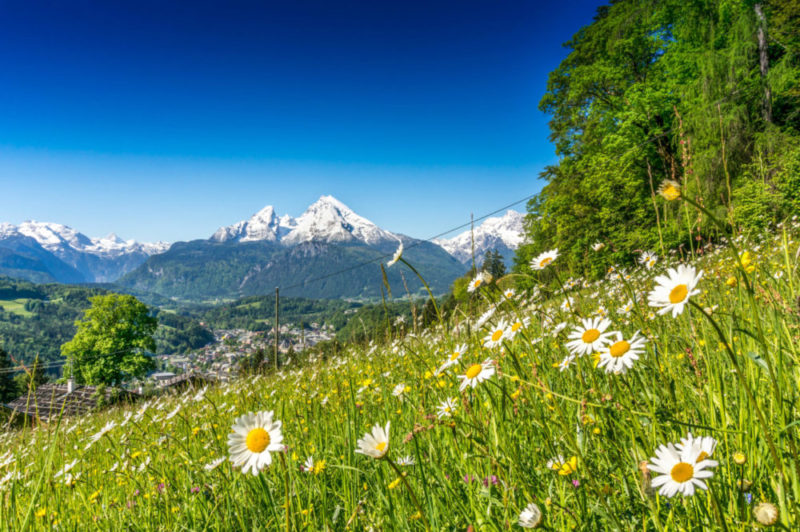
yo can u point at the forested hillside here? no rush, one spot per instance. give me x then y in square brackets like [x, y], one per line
[704, 93]
[36, 319]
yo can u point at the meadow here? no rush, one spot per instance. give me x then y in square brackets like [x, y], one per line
[530, 410]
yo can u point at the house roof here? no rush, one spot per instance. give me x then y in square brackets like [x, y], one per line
[184, 378]
[47, 401]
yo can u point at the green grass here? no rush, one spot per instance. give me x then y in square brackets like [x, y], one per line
[484, 464]
[17, 306]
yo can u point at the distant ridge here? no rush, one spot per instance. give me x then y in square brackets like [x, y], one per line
[51, 252]
[503, 233]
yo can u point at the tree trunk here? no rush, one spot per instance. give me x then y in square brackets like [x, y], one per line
[766, 104]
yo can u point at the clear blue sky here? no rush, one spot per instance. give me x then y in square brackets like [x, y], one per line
[164, 122]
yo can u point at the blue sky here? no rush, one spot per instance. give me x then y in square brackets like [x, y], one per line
[164, 122]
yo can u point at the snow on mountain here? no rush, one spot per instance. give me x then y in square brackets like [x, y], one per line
[57, 237]
[66, 255]
[330, 220]
[503, 233]
[326, 220]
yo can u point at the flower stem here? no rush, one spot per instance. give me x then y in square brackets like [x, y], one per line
[761, 421]
[286, 489]
[410, 491]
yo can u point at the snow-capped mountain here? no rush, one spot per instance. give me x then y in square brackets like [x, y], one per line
[503, 233]
[329, 251]
[326, 220]
[56, 252]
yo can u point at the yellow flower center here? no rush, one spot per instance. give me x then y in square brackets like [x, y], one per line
[678, 293]
[516, 326]
[476, 283]
[590, 335]
[497, 335]
[257, 440]
[455, 355]
[473, 371]
[670, 192]
[380, 446]
[544, 262]
[619, 349]
[681, 472]
[702, 456]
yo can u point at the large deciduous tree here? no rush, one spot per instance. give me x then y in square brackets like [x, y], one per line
[702, 92]
[112, 341]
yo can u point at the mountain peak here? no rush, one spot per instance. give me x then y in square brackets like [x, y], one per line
[325, 220]
[504, 233]
[330, 220]
[263, 225]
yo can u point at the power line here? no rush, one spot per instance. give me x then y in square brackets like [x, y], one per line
[415, 244]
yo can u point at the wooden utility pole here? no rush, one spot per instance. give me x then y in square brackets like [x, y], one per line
[277, 325]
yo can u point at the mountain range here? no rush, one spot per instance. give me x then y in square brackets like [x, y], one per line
[502, 234]
[253, 256]
[50, 252]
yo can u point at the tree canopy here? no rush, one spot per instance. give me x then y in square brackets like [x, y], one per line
[702, 92]
[112, 341]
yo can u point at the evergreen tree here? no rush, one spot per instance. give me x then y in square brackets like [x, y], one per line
[8, 387]
[493, 264]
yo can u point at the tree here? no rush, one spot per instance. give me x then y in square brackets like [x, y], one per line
[112, 341]
[30, 378]
[493, 264]
[669, 89]
[8, 387]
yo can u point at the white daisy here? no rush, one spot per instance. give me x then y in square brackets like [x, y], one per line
[476, 374]
[454, 357]
[105, 430]
[516, 327]
[707, 445]
[558, 328]
[543, 260]
[567, 304]
[375, 444]
[214, 464]
[566, 363]
[648, 259]
[480, 279]
[589, 337]
[308, 465]
[396, 257]
[597, 246]
[496, 335]
[255, 436]
[399, 391]
[485, 317]
[405, 461]
[680, 469]
[618, 356]
[446, 409]
[530, 517]
[627, 308]
[509, 293]
[674, 289]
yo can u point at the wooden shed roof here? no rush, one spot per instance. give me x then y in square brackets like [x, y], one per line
[47, 401]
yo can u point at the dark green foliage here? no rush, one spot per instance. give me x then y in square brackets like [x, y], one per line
[493, 264]
[8, 388]
[667, 90]
[256, 313]
[48, 316]
[204, 270]
[30, 378]
[179, 334]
